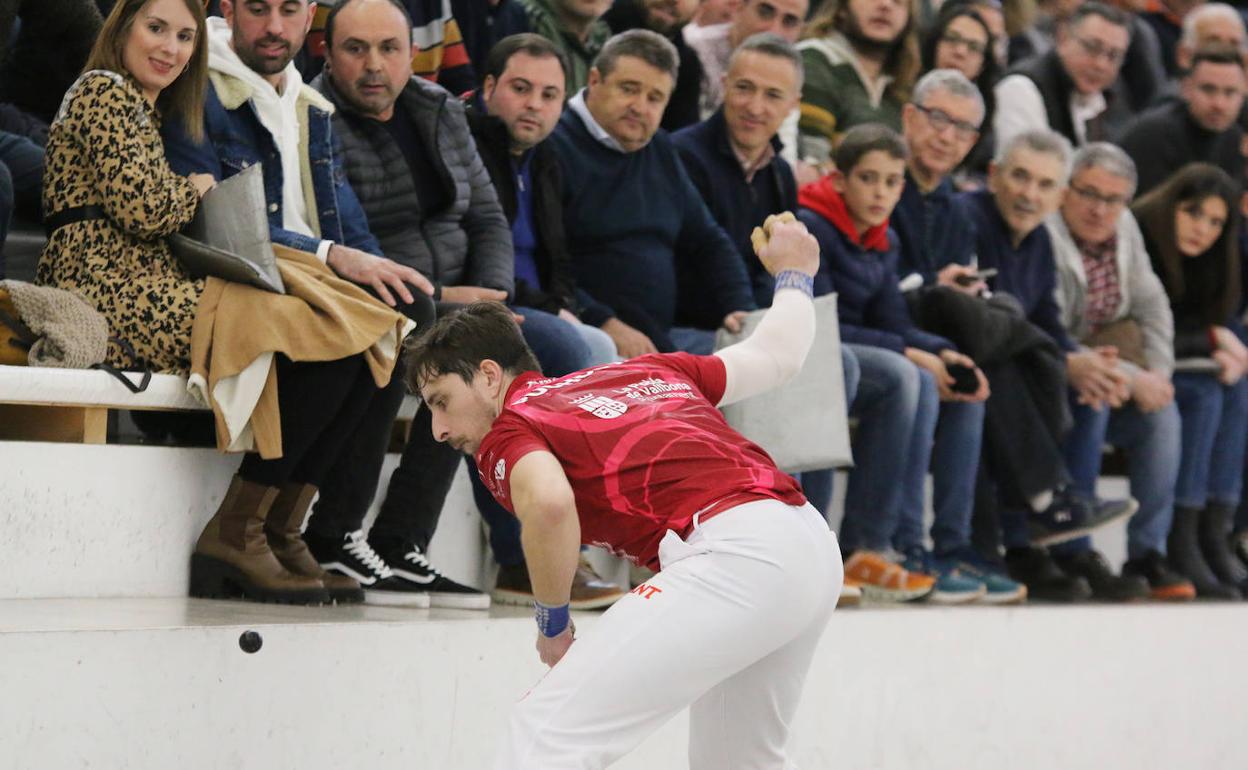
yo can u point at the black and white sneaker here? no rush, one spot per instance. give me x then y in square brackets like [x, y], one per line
[354, 557]
[1071, 516]
[409, 564]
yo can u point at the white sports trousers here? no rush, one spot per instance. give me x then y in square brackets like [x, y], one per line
[728, 627]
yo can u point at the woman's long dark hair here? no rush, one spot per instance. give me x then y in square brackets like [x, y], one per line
[1218, 268]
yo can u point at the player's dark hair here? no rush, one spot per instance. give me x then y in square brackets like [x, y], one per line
[457, 344]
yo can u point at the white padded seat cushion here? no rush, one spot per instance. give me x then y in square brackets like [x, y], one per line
[87, 387]
[408, 409]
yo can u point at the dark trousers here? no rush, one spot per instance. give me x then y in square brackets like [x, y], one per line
[1022, 454]
[1022, 438]
[349, 486]
[320, 403]
[420, 484]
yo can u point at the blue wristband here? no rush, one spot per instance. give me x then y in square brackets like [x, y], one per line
[795, 279]
[551, 621]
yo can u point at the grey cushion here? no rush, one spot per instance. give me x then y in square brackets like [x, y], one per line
[803, 424]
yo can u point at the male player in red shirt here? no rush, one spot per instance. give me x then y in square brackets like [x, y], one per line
[635, 457]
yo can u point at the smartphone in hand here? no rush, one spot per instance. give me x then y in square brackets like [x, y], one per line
[964, 378]
[979, 275]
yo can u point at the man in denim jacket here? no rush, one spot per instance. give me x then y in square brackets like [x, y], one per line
[258, 110]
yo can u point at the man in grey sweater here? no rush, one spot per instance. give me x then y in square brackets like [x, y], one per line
[1114, 307]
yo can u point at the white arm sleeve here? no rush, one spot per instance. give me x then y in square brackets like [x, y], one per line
[775, 352]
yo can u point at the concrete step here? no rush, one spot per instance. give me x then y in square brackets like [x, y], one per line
[163, 683]
[120, 521]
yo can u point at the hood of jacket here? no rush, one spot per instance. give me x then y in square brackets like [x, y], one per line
[822, 198]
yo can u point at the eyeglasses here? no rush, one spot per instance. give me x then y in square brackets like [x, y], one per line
[1098, 50]
[972, 46]
[942, 120]
[1094, 197]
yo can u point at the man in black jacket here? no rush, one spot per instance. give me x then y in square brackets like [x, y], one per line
[519, 104]
[429, 201]
[733, 157]
[1202, 126]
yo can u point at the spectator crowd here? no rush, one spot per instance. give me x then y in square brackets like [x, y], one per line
[1029, 212]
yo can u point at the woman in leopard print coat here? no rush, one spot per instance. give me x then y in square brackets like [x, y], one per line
[106, 164]
[111, 199]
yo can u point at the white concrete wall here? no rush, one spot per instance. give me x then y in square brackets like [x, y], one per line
[163, 684]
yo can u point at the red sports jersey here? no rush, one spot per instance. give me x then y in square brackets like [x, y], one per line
[641, 443]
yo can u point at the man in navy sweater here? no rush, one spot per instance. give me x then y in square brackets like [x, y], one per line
[634, 222]
[1025, 185]
[733, 158]
[936, 236]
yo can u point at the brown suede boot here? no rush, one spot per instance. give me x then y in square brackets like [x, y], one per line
[284, 526]
[232, 558]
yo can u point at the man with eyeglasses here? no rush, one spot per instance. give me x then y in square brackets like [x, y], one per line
[1073, 89]
[940, 126]
[1203, 125]
[715, 44]
[1115, 308]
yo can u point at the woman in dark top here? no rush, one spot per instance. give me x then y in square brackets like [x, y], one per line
[961, 40]
[1191, 230]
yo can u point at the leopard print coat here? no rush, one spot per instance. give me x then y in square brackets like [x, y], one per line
[104, 148]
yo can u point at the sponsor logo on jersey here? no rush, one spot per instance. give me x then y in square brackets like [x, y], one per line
[602, 406]
[500, 470]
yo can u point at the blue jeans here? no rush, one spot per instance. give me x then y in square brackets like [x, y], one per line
[699, 342]
[817, 485]
[1152, 443]
[559, 347]
[890, 437]
[1215, 422]
[601, 347]
[953, 456]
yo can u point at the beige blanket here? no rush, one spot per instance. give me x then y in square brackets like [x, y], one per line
[238, 329]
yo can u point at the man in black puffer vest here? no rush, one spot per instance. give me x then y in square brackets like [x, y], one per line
[429, 201]
[1072, 89]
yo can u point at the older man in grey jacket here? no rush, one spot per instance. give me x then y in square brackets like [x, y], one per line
[1114, 306]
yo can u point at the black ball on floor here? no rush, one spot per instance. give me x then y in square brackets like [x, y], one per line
[250, 642]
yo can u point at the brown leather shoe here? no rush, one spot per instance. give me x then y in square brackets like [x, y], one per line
[232, 558]
[283, 528]
[589, 590]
